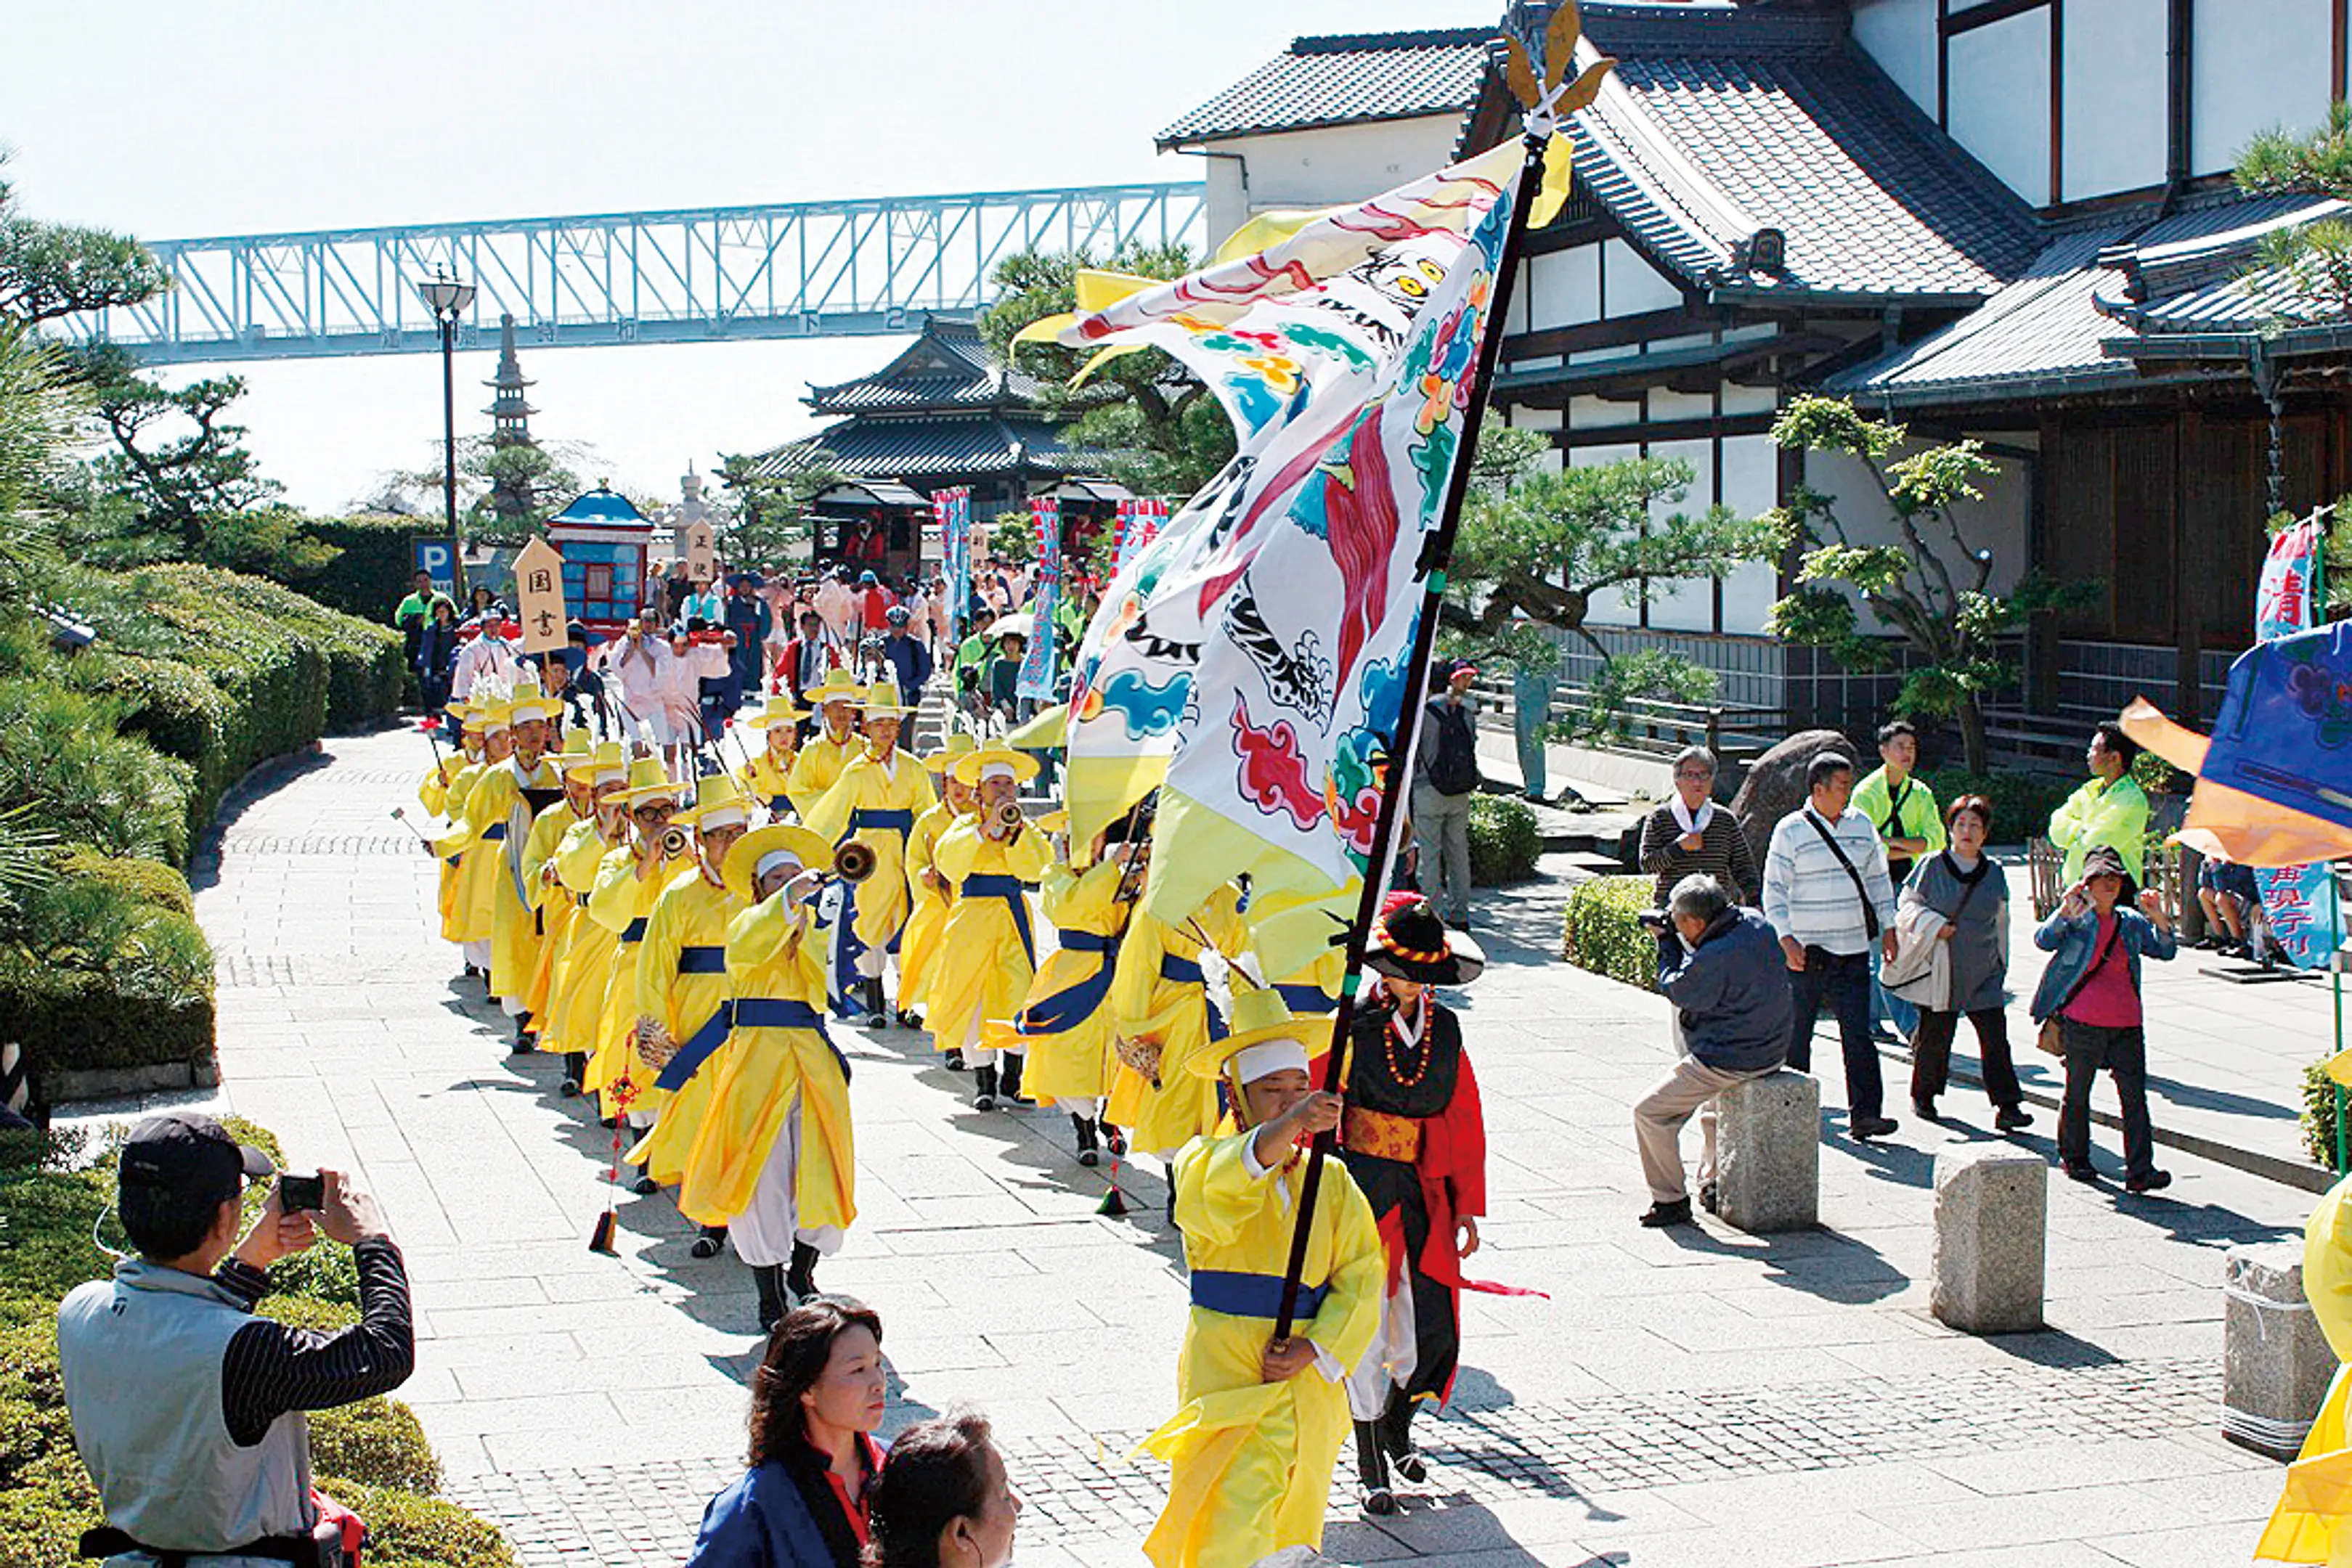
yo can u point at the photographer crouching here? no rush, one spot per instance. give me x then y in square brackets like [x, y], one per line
[187, 1409]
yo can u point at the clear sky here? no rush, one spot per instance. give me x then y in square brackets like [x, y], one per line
[170, 121]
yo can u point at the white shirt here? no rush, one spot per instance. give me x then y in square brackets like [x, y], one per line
[1809, 897]
[487, 655]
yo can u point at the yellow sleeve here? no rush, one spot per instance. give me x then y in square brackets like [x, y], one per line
[1343, 1326]
[958, 850]
[754, 935]
[657, 957]
[922, 845]
[613, 899]
[1028, 855]
[547, 832]
[492, 800]
[1058, 885]
[828, 816]
[578, 856]
[806, 786]
[1216, 1196]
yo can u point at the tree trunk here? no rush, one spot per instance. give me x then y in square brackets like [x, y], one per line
[1972, 734]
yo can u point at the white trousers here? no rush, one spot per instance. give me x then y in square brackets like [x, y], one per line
[763, 1233]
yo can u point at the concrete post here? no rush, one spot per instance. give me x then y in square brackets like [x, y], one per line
[1768, 1153]
[1992, 1223]
[2275, 1362]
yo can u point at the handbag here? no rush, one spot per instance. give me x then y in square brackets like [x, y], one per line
[2051, 1039]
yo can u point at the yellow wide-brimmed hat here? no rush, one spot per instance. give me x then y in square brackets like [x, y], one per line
[607, 763]
[959, 744]
[1057, 821]
[970, 767]
[577, 742]
[778, 713]
[881, 701]
[718, 802]
[1263, 1026]
[839, 687]
[528, 702]
[649, 780]
[494, 716]
[741, 870]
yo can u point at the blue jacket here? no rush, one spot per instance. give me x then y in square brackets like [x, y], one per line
[2072, 941]
[763, 1521]
[1732, 991]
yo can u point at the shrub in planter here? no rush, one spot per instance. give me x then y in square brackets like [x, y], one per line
[1603, 934]
[1504, 839]
[2319, 1116]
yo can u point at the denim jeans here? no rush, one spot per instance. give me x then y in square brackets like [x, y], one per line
[2123, 1053]
[1842, 980]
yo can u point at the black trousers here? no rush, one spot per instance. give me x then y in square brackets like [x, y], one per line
[2123, 1053]
[1842, 980]
[1931, 1054]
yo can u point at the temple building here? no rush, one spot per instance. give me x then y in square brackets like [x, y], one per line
[510, 413]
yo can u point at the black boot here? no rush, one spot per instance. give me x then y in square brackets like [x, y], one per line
[1088, 1152]
[1010, 1080]
[1396, 1437]
[875, 1018]
[953, 1061]
[768, 1279]
[983, 1096]
[801, 1279]
[526, 1039]
[1373, 1470]
[712, 1240]
[575, 1068]
[1113, 1139]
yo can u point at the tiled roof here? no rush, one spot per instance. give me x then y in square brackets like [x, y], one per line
[2065, 325]
[1719, 122]
[947, 367]
[1344, 78]
[930, 450]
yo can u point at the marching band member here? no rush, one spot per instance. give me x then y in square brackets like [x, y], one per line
[466, 921]
[552, 911]
[682, 1007]
[987, 958]
[875, 803]
[443, 793]
[929, 896]
[1067, 1025]
[1262, 1419]
[768, 777]
[501, 810]
[1159, 1004]
[824, 755]
[576, 990]
[629, 879]
[774, 1164]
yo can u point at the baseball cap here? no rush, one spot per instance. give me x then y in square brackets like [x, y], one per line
[187, 1150]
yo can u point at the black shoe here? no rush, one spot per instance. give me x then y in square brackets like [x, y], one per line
[954, 1062]
[1925, 1110]
[983, 1081]
[608, 1123]
[1009, 1079]
[575, 1068]
[709, 1243]
[1114, 1140]
[1866, 1128]
[876, 1015]
[2149, 1181]
[909, 1019]
[1661, 1215]
[1708, 1198]
[644, 1186]
[2012, 1119]
[1395, 1426]
[768, 1279]
[801, 1278]
[1372, 1471]
[1088, 1155]
[2078, 1173]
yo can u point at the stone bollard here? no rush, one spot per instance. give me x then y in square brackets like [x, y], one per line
[1769, 1153]
[1992, 1221]
[2276, 1363]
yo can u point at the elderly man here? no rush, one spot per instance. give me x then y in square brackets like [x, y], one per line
[1690, 835]
[1827, 894]
[1722, 968]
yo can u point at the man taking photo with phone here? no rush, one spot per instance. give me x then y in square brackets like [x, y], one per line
[188, 1409]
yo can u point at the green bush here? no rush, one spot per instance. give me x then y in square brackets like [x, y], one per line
[175, 708]
[406, 1529]
[61, 756]
[377, 1442]
[2021, 803]
[373, 561]
[149, 881]
[1504, 839]
[363, 662]
[2319, 1116]
[1603, 934]
[77, 1019]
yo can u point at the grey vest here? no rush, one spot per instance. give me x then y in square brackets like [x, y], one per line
[142, 1356]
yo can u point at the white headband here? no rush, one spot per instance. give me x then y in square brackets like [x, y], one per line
[775, 860]
[722, 816]
[496, 727]
[1252, 1062]
[989, 770]
[610, 776]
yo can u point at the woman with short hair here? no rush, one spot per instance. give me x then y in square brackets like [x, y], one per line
[1965, 890]
[943, 1500]
[815, 1402]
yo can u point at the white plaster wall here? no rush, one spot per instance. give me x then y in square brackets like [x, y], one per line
[1999, 77]
[1336, 164]
[2113, 119]
[1749, 400]
[1622, 607]
[1685, 606]
[2255, 64]
[1228, 205]
[1751, 468]
[1594, 414]
[1900, 35]
[1562, 287]
[1997, 523]
[1630, 285]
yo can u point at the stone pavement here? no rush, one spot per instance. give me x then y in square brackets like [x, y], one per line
[1684, 1397]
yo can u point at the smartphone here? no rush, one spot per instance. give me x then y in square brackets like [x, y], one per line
[297, 1193]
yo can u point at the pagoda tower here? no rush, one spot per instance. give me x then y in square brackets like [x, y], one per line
[509, 412]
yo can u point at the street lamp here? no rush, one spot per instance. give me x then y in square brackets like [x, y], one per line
[449, 298]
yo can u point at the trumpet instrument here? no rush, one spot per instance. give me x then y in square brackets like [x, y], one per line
[1004, 817]
[853, 861]
[673, 842]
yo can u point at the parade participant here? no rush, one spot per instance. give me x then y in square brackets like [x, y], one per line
[552, 911]
[636, 665]
[769, 775]
[590, 780]
[501, 811]
[1066, 1023]
[875, 803]
[774, 1163]
[2310, 1522]
[467, 919]
[682, 1006]
[1414, 1137]
[824, 755]
[987, 958]
[629, 880]
[1251, 1452]
[1161, 1010]
[576, 1006]
[929, 892]
[443, 792]
[806, 659]
[490, 658]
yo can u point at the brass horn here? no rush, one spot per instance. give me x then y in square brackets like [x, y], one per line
[853, 861]
[1005, 816]
[673, 842]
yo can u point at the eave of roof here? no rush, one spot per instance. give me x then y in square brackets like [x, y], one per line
[1348, 78]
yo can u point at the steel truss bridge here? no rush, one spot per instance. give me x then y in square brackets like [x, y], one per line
[803, 269]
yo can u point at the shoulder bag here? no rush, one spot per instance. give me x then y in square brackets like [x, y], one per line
[2051, 1039]
[1869, 912]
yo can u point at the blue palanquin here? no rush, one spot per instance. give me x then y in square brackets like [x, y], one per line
[602, 540]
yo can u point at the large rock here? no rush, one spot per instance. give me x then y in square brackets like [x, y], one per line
[1775, 784]
[2275, 1362]
[1990, 1221]
[1768, 1158]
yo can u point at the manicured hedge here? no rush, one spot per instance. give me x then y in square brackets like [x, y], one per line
[373, 561]
[1601, 934]
[148, 881]
[2021, 802]
[363, 662]
[77, 1019]
[1505, 839]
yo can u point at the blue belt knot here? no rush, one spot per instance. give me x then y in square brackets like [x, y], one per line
[1239, 1295]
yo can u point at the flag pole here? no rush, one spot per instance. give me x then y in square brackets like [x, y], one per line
[1434, 553]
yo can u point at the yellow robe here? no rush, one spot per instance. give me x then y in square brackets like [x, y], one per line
[552, 907]
[1067, 1020]
[618, 902]
[918, 944]
[576, 994]
[2312, 1522]
[855, 809]
[681, 984]
[818, 766]
[768, 784]
[490, 896]
[450, 804]
[772, 957]
[983, 971]
[1251, 1462]
[1148, 1004]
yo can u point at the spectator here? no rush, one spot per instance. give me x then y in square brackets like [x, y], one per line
[1004, 677]
[1532, 684]
[437, 654]
[2111, 809]
[874, 603]
[808, 656]
[943, 613]
[1903, 811]
[746, 616]
[186, 1409]
[414, 612]
[586, 690]
[838, 605]
[1445, 777]
[674, 590]
[909, 660]
[1826, 893]
[815, 1402]
[2226, 894]
[1690, 835]
[1723, 970]
[485, 602]
[2091, 988]
[943, 1499]
[702, 603]
[1968, 897]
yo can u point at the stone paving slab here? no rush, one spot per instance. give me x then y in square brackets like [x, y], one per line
[1693, 1397]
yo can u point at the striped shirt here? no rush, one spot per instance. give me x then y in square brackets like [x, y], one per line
[1808, 895]
[1722, 854]
[270, 1369]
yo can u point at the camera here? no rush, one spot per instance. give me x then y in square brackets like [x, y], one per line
[1655, 921]
[298, 1193]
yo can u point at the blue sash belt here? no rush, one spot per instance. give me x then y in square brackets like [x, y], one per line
[1184, 971]
[1308, 999]
[451, 859]
[701, 960]
[777, 805]
[635, 931]
[697, 1049]
[1251, 1295]
[1007, 888]
[1067, 1009]
[898, 820]
[496, 831]
[787, 1012]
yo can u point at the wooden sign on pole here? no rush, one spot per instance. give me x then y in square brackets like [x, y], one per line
[538, 597]
[701, 552]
